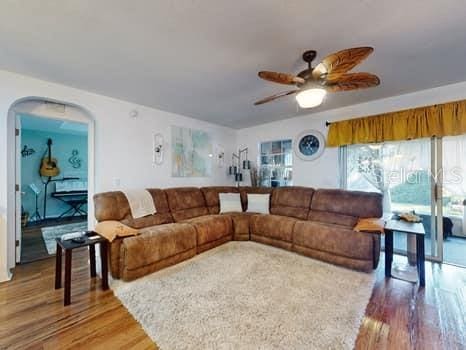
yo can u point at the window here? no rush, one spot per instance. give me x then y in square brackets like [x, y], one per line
[426, 176]
[276, 163]
[398, 170]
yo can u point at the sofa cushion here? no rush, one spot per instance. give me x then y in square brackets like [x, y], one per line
[351, 263]
[211, 195]
[258, 203]
[273, 226]
[157, 243]
[186, 203]
[332, 218]
[241, 223]
[254, 190]
[230, 202]
[211, 227]
[291, 201]
[352, 203]
[333, 239]
[115, 206]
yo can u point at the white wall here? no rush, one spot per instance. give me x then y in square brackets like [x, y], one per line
[323, 172]
[123, 146]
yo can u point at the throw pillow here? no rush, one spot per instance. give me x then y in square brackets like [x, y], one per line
[258, 203]
[370, 225]
[230, 202]
[111, 229]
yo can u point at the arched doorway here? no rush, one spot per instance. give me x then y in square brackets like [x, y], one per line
[41, 108]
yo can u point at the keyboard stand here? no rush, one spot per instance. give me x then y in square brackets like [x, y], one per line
[75, 203]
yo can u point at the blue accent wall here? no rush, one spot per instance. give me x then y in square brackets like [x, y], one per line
[62, 148]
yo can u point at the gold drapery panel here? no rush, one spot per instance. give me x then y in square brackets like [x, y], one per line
[446, 119]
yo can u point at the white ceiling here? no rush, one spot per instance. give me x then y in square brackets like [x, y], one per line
[200, 57]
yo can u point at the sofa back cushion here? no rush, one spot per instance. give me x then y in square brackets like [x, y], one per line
[333, 218]
[356, 204]
[212, 198]
[291, 201]
[115, 206]
[253, 190]
[186, 202]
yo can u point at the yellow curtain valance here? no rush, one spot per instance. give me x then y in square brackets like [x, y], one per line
[446, 119]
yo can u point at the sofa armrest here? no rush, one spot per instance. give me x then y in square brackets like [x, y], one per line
[114, 257]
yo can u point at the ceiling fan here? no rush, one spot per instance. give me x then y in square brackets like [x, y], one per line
[313, 83]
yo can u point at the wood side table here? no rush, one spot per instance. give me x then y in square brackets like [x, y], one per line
[91, 239]
[407, 228]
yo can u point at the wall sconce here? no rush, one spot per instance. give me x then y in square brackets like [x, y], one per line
[158, 149]
[219, 156]
[133, 114]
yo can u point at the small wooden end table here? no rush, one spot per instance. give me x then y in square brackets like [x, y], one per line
[407, 228]
[91, 239]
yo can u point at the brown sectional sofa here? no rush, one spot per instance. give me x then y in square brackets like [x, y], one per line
[316, 223]
[188, 205]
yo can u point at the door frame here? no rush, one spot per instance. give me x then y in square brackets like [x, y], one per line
[35, 106]
[436, 200]
[18, 190]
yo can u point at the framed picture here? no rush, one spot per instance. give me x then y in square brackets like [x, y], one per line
[192, 153]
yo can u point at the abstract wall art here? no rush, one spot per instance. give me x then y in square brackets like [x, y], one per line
[192, 153]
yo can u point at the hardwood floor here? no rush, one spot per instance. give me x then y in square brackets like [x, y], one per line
[398, 316]
[32, 315]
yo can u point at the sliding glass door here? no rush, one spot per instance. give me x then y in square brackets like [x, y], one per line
[407, 174]
[453, 199]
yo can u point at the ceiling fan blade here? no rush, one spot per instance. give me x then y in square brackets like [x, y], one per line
[281, 78]
[353, 81]
[273, 97]
[341, 62]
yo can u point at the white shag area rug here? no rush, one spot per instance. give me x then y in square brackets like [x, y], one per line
[245, 295]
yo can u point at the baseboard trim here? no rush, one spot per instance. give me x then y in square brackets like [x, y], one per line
[6, 275]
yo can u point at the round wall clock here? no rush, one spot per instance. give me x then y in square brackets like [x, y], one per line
[309, 145]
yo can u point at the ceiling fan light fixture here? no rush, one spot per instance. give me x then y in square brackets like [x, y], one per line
[311, 97]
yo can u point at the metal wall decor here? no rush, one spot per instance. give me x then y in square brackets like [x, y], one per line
[26, 152]
[239, 161]
[74, 160]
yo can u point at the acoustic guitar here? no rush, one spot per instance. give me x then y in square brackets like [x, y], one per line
[49, 166]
